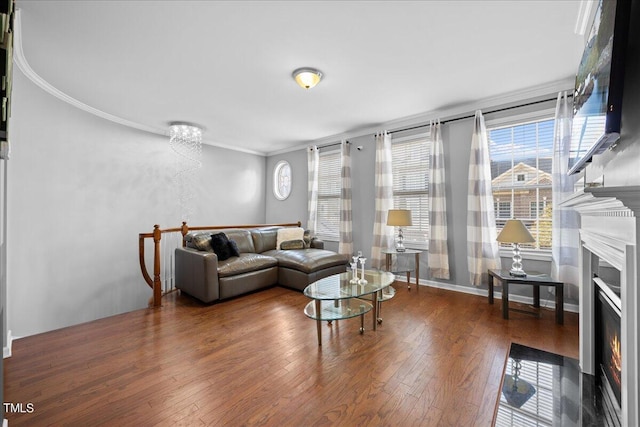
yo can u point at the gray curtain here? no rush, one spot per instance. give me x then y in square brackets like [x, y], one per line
[565, 246]
[482, 247]
[313, 159]
[345, 246]
[438, 255]
[382, 233]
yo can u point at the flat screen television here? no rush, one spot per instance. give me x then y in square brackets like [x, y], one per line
[597, 98]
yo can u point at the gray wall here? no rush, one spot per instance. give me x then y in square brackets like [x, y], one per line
[457, 144]
[80, 190]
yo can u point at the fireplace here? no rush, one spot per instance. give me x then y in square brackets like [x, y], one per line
[608, 351]
[610, 310]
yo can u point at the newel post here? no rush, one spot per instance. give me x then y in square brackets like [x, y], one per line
[157, 284]
[184, 230]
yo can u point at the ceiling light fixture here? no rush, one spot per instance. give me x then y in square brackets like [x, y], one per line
[186, 141]
[307, 77]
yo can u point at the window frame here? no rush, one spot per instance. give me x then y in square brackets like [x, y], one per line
[513, 121]
[321, 232]
[424, 137]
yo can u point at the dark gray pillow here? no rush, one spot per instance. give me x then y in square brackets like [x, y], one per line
[220, 245]
[233, 248]
[307, 238]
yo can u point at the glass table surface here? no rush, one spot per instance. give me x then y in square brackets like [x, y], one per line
[339, 286]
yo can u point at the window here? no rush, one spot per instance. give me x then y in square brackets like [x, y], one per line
[282, 180]
[503, 209]
[521, 157]
[329, 186]
[411, 186]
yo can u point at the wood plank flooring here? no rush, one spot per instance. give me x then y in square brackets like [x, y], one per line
[437, 359]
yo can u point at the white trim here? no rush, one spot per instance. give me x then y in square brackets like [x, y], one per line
[544, 303]
[421, 135]
[22, 63]
[521, 119]
[584, 17]
[6, 351]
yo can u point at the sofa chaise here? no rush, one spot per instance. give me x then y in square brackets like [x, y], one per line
[257, 262]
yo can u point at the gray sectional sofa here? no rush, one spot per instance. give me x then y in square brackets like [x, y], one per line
[199, 272]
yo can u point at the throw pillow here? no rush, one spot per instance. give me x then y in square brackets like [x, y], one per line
[202, 242]
[290, 233]
[292, 244]
[220, 245]
[306, 238]
[233, 248]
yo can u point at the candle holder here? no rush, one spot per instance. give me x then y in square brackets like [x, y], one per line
[354, 267]
[363, 281]
[354, 271]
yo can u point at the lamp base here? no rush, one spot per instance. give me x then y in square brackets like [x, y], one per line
[517, 273]
[400, 248]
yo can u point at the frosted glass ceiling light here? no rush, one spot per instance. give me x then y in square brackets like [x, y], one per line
[307, 77]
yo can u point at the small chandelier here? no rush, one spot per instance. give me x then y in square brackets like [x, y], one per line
[186, 142]
[307, 77]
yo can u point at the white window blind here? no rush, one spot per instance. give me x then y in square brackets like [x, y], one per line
[411, 187]
[521, 157]
[329, 185]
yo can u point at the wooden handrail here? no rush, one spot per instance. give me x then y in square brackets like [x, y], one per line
[155, 283]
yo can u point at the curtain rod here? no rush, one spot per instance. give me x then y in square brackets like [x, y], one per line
[473, 115]
[329, 145]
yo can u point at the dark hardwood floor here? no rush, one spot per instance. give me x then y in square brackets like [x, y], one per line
[437, 359]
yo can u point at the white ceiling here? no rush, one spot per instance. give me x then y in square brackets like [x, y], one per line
[227, 65]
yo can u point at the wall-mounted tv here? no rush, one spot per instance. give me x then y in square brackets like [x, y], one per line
[597, 98]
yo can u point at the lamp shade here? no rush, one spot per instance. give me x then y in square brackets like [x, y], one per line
[514, 231]
[399, 217]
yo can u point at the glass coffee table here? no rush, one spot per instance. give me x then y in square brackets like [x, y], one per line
[336, 298]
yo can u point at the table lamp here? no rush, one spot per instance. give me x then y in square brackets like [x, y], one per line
[514, 231]
[399, 218]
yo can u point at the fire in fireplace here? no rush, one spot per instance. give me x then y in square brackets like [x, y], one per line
[608, 351]
[615, 361]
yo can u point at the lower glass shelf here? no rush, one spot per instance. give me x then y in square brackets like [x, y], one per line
[337, 309]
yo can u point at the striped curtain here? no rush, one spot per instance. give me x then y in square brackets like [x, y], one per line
[313, 159]
[482, 247]
[438, 249]
[382, 233]
[565, 246]
[345, 246]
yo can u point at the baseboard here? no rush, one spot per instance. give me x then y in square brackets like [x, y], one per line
[6, 351]
[545, 303]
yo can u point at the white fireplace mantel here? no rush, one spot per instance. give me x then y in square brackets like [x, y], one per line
[610, 232]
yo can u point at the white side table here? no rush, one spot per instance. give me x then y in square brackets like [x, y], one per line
[391, 251]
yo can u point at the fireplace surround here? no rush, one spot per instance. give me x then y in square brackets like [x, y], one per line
[609, 235]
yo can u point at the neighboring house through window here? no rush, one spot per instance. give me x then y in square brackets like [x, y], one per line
[411, 186]
[521, 156]
[329, 195]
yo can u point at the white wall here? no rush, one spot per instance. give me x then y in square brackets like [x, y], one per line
[80, 191]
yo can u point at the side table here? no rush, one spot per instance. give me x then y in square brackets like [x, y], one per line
[532, 278]
[391, 251]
